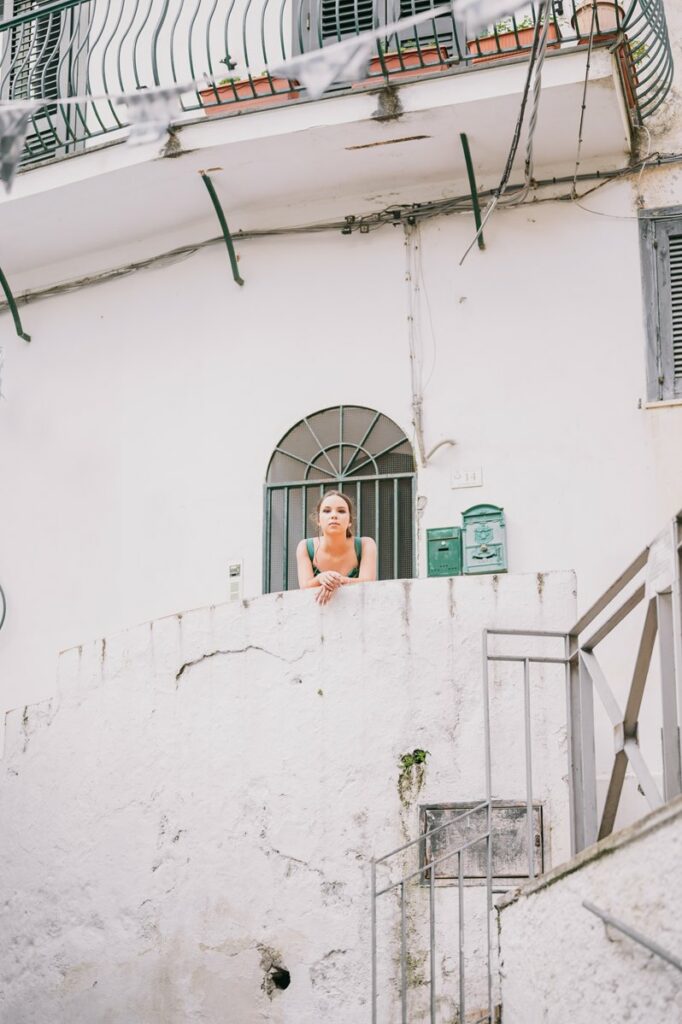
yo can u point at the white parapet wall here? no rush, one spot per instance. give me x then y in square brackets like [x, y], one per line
[562, 963]
[202, 799]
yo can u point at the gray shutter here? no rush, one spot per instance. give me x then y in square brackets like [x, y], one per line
[318, 23]
[675, 278]
[661, 250]
[443, 32]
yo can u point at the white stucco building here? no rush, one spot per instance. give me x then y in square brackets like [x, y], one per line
[542, 375]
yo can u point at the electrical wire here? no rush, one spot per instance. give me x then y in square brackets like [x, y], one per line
[413, 337]
[583, 105]
[393, 215]
[414, 278]
[538, 46]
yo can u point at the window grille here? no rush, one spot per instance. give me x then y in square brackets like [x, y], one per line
[44, 57]
[34, 53]
[348, 448]
[661, 250]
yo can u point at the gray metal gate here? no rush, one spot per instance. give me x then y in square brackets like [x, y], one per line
[348, 448]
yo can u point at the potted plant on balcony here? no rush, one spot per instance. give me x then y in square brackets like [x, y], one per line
[509, 38]
[255, 91]
[409, 60]
[608, 19]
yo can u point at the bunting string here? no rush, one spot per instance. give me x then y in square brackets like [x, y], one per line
[152, 110]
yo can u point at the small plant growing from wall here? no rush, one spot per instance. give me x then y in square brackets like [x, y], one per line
[411, 778]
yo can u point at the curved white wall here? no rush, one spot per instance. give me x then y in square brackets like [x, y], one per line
[206, 791]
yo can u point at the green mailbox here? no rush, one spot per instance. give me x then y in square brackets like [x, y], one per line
[484, 541]
[444, 550]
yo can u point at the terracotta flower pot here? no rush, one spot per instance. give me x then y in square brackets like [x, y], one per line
[251, 92]
[608, 20]
[407, 63]
[509, 44]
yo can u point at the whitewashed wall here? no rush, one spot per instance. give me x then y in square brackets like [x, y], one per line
[138, 424]
[205, 792]
[560, 963]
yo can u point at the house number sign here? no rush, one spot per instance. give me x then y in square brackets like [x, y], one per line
[467, 478]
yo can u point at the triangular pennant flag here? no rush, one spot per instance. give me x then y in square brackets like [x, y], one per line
[341, 62]
[477, 14]
[150, 112]
[13, 128]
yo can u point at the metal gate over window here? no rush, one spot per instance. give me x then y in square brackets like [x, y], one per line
[43, 55]
[352, 449]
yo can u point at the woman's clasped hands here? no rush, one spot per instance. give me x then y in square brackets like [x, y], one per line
[328, 582]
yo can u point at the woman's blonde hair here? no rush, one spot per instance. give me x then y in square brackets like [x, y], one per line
[315, 516]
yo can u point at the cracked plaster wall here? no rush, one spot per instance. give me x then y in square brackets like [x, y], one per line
[563, 965]
[201, 800]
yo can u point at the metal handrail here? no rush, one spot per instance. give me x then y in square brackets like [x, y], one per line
[431, 832]
[633, 934]
[90, 47]
[427, 868]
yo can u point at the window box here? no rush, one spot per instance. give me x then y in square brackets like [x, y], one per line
[509, 44]
[405, 63]
[263, 91]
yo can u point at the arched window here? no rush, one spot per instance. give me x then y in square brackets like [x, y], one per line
[347, 448]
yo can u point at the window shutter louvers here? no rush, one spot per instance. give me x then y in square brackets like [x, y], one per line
[675, 279]
[661, 254]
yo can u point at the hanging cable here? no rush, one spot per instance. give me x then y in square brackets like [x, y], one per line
[411, 232]
[535, 106]
[393, 215]
[414, 279]
[583, 106]
[541, 28]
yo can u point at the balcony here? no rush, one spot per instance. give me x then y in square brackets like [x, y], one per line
[391, 138]
[95, 48]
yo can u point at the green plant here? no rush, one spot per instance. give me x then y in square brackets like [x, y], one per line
[417, 756]
[638, 50]
[411, 776]
[508, 25]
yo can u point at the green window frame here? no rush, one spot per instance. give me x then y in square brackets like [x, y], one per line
[661, 255]
[348, 448]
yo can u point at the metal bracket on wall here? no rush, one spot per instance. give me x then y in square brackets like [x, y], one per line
[4, 283]
[472, 186]
[223, 224]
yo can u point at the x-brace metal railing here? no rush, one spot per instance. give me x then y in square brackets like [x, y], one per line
[655, 574]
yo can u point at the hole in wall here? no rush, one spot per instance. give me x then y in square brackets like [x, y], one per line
[281, 978]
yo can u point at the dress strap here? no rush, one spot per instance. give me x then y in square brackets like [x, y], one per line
[358, 549]
[310, 544]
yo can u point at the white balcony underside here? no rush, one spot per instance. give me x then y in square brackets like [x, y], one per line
[300, 163]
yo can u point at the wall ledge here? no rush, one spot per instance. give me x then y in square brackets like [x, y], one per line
[645, 826]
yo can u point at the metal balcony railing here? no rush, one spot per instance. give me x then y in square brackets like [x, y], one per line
[50, 49]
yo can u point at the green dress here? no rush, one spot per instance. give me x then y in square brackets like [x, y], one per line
[353, 574]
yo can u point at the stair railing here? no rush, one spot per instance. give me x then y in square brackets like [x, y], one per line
[425, 874]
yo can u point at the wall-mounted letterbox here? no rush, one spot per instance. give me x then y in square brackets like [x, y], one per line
[484, 542]
[444, 550]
